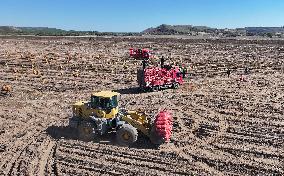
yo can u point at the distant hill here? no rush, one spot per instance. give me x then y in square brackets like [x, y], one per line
[197, 30]
[8, 29]
[11, 30]
[45, 31]
[177, 29]
[263, 30]
[163, 29]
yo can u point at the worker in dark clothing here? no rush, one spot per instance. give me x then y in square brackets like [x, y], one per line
[146, 55]
[145, 63]
[184, 72]
[168, 67]
[140, 52]
[228, 72]
[162, 61]
[246, 71]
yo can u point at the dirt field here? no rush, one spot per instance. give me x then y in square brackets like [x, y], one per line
[222, 126]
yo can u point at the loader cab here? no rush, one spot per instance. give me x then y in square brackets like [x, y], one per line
[105, 103]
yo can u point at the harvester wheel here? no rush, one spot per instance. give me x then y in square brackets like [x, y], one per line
[175, 85]
[86, 131]
[155, 88]
[126, 135]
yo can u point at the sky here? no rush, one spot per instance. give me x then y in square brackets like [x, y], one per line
[137, 15]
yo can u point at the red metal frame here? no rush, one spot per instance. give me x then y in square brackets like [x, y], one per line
[140, 53]
[156, 77]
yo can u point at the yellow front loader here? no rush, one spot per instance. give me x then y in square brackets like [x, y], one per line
[102, 114]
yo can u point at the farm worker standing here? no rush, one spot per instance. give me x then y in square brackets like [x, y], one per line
[162, 61]
[145, 63]
[246, 71]
[183, 70]
[228, 72]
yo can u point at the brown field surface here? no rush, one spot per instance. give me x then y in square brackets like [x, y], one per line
[222, 126]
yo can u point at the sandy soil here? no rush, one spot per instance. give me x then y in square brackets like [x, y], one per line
[221, 126]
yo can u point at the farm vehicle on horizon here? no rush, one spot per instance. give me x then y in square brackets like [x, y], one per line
[141, 53]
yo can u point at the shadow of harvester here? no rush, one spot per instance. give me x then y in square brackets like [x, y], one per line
[131, 90]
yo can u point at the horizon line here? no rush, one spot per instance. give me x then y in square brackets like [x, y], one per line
[65, 29]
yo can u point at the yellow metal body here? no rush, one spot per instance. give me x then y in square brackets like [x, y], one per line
[83, 109]
[105, 94]
[138, 120]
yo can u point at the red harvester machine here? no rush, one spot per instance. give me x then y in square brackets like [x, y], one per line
[140, 53]
[157, 78]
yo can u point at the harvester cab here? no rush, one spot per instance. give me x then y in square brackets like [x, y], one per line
[101, 115]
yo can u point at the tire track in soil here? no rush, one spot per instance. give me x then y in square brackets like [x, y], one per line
[226, 166]
[197, 123]
[248, 167]
[254, 153]
[67, 168]
[270, 168]
[125, 158]
[196, 142]
[223, 131]
[44, 158]
[8, 164]
[25, 149]
[52, 167]
[237, 166]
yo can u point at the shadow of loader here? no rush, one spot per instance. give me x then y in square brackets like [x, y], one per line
[68, 133]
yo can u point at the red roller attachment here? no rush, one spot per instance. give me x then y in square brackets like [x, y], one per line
[162, 128]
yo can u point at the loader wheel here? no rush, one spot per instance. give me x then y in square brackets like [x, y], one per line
[101, 114]
[86, 131]
[126, 135]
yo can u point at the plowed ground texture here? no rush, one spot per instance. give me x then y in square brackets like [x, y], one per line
[221, 125]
